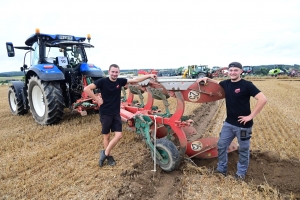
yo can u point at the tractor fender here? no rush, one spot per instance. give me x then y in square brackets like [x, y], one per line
[91, 70]
[18, 85]
[47, 73]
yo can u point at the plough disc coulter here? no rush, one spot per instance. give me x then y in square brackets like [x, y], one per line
[166, 134]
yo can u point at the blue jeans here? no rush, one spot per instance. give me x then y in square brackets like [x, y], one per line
[228, 133]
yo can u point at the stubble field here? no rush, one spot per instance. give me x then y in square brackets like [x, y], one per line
[61, 161]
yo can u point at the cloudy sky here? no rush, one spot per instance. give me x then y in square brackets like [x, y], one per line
[161, 33]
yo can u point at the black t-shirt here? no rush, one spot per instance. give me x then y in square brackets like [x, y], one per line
[111, 95]
[237, 96]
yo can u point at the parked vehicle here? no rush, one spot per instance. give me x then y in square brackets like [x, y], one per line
[248, 70]
[197, 71]
[167, 72]
[143, 72]
[294, 73]
[214, 69]
[221, 72]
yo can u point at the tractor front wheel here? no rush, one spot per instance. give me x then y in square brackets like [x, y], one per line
[201, 75]
[170, 155]
[16, 104]
[46, 101]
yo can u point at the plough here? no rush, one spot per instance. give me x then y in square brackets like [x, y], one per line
[164, 133]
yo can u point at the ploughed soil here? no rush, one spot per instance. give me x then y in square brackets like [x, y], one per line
[265, 168]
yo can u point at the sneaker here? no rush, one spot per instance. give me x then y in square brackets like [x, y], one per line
[218, 172]
[111, 161]
[103, 157]
[239, 177]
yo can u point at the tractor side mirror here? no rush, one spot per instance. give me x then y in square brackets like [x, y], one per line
[10, 49]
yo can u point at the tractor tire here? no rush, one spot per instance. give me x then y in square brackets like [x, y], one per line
[171, 157]
[16, 104]
[201, 75]
[46, 101]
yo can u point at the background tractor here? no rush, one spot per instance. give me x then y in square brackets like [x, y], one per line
[56, 77]
[248, 70]
[196, 71]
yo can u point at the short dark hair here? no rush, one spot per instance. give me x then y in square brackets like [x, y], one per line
[113, 65]
[235, 64]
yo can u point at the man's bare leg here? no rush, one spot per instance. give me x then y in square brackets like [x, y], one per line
[112, 143]
[106, 138]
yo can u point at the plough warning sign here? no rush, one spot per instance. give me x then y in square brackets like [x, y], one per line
[194, 95]
[196, 146]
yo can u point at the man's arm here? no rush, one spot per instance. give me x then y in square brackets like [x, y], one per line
[261, 102]
[89, 90]
[142, 78]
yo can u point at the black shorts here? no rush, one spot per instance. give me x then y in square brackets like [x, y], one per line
[111, 123]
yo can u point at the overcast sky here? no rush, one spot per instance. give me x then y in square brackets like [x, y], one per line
[161, 33]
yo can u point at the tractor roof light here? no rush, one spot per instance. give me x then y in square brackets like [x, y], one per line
[89, 37]
[37, 31]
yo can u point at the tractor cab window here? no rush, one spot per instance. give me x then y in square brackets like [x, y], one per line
[35, 54]
[51, 53]
[74, 54]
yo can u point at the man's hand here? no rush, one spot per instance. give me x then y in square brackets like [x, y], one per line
[153, 76]
[244, 119]
[202, 79]
[99, 99]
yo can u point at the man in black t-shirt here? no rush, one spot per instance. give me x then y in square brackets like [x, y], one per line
[110, 102]
[239, 121]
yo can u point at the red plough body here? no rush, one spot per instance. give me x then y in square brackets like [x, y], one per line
[172, 124]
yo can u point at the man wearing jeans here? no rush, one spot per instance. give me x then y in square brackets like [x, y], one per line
[239, 118]
[110, 102]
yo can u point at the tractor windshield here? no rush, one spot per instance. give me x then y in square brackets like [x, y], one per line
[73, 53]
[200, 68]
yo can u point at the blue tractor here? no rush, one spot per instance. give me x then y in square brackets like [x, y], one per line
[58, 72]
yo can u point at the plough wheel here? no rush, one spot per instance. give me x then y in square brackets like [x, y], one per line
[169, 153]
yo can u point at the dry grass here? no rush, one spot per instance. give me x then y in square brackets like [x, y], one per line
[61, 161]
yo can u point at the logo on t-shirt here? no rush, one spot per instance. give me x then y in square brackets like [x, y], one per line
[118, 86]
[237, 90]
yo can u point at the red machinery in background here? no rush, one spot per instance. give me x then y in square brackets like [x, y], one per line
[221, 72]
[167, 135]
[143, 72]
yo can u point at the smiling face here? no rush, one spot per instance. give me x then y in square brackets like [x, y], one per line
[113, 73]
[235, 73]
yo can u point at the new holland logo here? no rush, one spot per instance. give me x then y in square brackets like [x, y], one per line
[196, 146]
[194, 95]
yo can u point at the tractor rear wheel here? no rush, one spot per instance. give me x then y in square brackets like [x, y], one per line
[170, 155]
[16, 104]
[46, 101]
